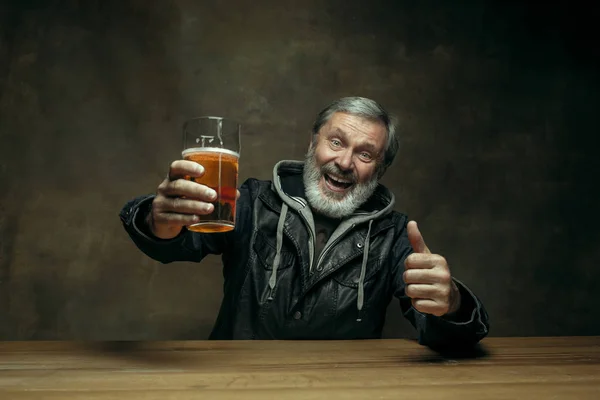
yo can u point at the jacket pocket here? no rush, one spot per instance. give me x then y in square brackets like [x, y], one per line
[351, 320]
[349, 275]
[266, 250]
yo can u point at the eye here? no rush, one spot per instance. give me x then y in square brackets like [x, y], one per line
[336, 143]
[365, 156]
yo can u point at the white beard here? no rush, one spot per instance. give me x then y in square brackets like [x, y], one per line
[331, 204]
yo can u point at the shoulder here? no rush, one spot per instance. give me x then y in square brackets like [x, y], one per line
[249, 190]
[399, 219]
[402, 247]
[253, 187]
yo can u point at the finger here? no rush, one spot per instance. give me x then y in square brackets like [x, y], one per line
[416, 239]
[427, 306]
[427, 276]
[189, 189]
[175, 219]
[237, 194]
[183, 168]
[421, 291]
[423, 261]
[184, 206]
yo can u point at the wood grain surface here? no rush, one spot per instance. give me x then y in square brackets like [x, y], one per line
[501, 368]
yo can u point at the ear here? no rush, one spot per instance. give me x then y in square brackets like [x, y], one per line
[312, 140]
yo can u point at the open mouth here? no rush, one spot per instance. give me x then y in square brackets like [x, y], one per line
[337, 184]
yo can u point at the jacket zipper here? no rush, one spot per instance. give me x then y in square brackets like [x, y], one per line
[326, 249]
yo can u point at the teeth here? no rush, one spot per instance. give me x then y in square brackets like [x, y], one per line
[338, 180]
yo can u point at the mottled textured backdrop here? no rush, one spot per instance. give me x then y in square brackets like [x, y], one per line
[498, 103]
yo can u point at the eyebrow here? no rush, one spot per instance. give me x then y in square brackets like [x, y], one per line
[364, 145]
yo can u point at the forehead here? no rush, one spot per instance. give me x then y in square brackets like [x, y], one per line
[357, 129]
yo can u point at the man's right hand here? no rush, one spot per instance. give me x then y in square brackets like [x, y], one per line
[179, 201]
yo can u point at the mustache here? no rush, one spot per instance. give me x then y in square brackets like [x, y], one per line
[332, 169]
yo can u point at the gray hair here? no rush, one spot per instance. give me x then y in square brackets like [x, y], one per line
[368, 109]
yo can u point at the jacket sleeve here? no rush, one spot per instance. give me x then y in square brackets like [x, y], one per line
[464, 328]
[187, 246]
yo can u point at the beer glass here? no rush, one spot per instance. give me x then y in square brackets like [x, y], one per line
[214, 143]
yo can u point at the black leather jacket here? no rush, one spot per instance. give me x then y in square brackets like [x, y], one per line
[276, 287]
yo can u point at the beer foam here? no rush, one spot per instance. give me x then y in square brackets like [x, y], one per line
[195, 150]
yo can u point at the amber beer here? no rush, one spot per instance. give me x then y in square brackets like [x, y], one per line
[221, 174]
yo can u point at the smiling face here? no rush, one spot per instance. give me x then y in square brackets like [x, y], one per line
[341, 167]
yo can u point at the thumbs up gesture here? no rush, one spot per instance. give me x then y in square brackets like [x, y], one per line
[427, 277]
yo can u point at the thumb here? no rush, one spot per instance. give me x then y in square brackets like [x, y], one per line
[416, 239]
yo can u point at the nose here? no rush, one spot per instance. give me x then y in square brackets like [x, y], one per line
[344, 160]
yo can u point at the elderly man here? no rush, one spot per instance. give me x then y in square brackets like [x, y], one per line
[318, 252]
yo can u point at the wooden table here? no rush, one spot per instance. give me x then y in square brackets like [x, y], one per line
[508, 368]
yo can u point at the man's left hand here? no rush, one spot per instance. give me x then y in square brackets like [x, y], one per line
[428, 280]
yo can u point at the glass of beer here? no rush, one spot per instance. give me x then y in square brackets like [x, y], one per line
[214, 143]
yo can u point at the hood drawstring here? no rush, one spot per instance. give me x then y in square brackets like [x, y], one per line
[363, 270]
[280, 223]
